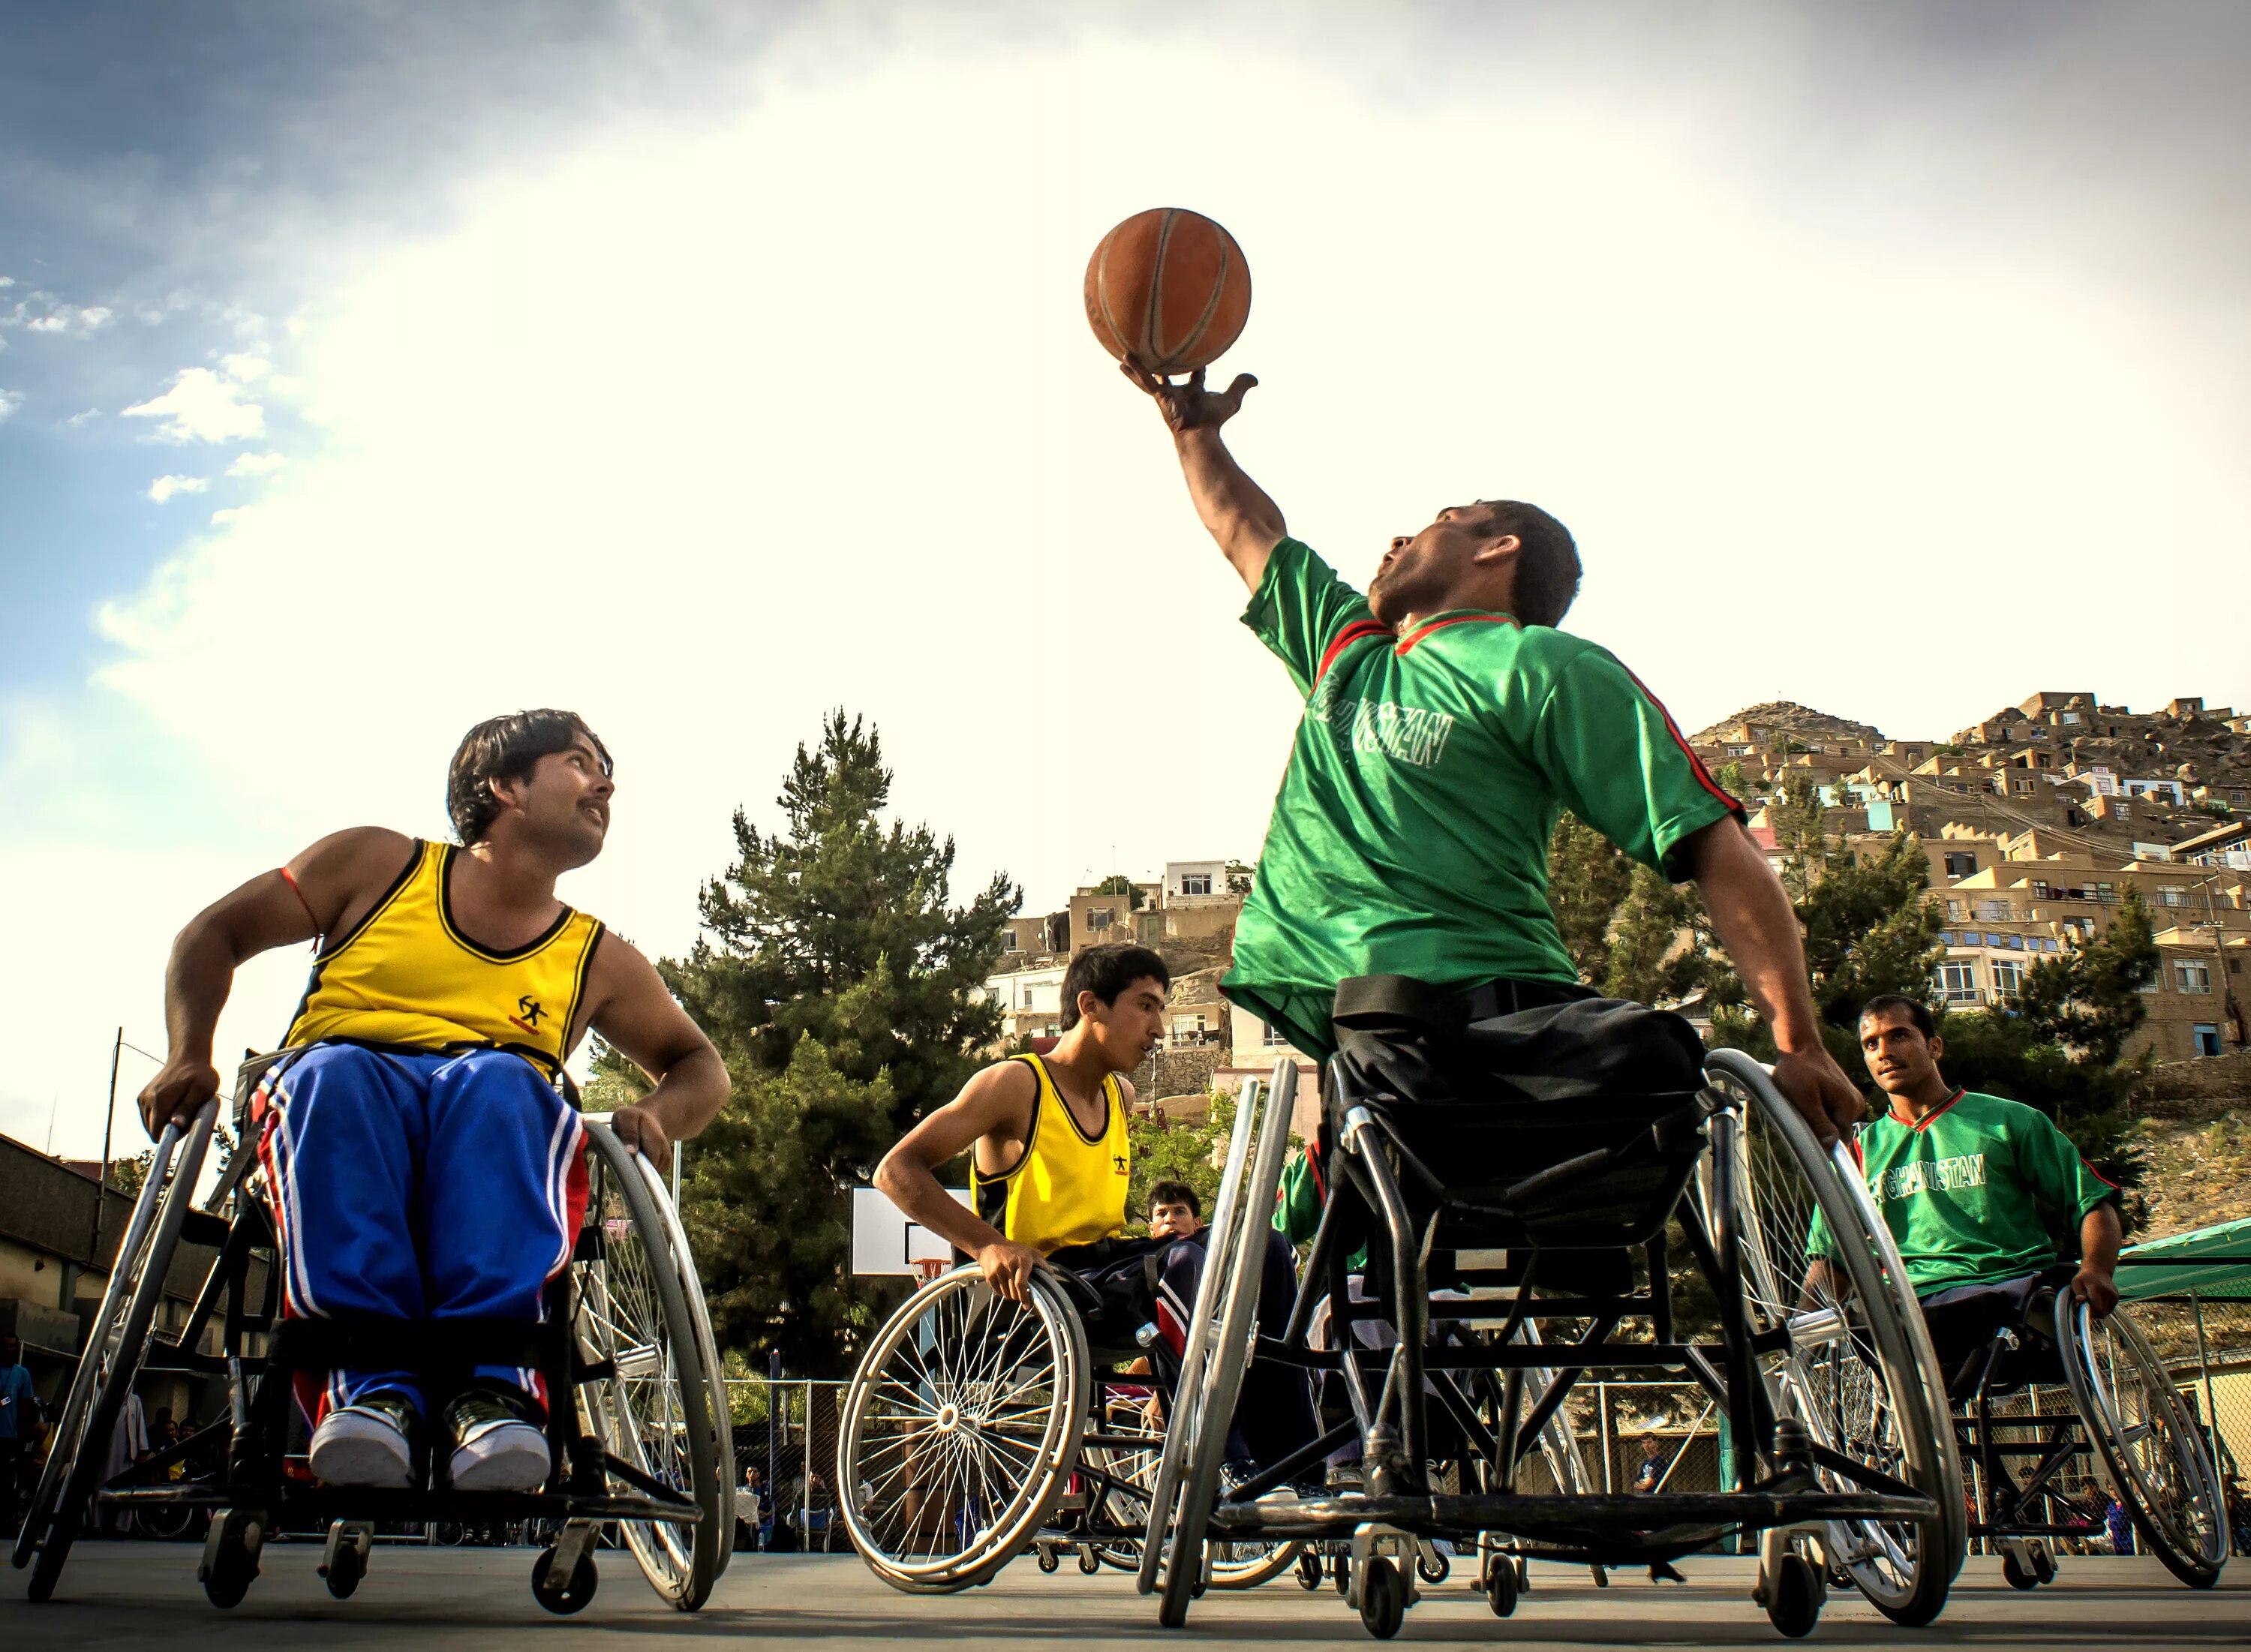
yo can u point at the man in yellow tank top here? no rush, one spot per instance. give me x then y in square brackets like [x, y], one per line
[1050, 1165]
[421, 1161]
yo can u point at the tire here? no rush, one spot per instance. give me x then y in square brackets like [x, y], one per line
[2015, 1575]
[1794, 1597]
[1432, 1567]
[638, 1309]
[564, 1598]
[1050, 1564]
[113, 1354]
[2146, 1440]
[1383, 1598]
[1858, 1371]
[1003, 1390]
[346, 1572]
[1309, 1569]
[1500, 1591]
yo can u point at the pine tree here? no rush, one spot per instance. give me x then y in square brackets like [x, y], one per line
[1587, 880]
[835, 977]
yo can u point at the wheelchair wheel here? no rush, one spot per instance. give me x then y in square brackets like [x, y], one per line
[658, 1406]
[2146, 1438]
[111, 1360]
[960, 1430]
[1858, 1370]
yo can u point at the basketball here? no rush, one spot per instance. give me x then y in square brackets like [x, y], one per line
[1168, 290]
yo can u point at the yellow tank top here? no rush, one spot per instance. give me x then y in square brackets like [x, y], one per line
[405, 974]
[1065, 1188]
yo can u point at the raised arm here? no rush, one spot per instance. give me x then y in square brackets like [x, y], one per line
[997, 1102]
[633, 1010]
[315, 894]
[1751, 912]
[1237, 511]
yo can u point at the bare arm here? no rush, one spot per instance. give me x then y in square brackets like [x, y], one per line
[335, 877]
[633, 1010]
[997, 1102]
[2100, 1235]
[1234, 509]
[1751, 912]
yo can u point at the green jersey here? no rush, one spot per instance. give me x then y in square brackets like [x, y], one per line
[1975, 1192]
[1410, 834]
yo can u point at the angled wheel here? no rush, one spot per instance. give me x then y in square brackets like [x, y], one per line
[660, 1406]
[114, 1352]
[1819, 1265]
[960, 1430]
[2146, 1438]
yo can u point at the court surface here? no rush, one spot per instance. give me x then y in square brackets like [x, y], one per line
[120, 1595]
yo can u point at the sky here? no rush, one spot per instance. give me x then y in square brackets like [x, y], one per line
[369, 369]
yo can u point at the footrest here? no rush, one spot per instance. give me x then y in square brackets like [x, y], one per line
[1578, 1520]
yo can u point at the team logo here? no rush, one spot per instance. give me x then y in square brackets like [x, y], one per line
[527, 1015]
[1120, 1161]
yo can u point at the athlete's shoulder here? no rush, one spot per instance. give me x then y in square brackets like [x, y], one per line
[2001, 1115]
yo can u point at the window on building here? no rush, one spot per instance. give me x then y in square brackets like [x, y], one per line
[2107, 893]
[1954, 910]
[2192, 977]
[2071, 717]
[1195, 883]
[1961, 864]
[1272, 1037]
[1958, 981]
[2008, 974]
[2169, 897]
[1009, 943]
[2207, 1037]
[1995, 911]
[2039, 889]
[1099, 919]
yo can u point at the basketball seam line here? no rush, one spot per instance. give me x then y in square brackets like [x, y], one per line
[1150, 333]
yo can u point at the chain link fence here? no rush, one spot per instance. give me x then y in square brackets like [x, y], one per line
[785, 1433]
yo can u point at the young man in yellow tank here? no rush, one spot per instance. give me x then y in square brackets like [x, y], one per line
[421, 1161]
[1049, 1169]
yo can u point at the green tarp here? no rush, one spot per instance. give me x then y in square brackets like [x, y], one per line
[2226, 1272]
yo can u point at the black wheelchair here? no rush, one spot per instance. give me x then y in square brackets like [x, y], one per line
[637, 1420]
[975, 1430]
[1569, 1220]
[2080, 1393]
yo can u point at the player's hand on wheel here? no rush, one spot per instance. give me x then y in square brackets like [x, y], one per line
[1816, 1087]
[1190, 406]
[183, 1084]
[2098, 1290]
[1008, 1270]
[637, 1127]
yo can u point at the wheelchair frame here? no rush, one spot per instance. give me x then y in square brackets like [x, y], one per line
[1803, 1492]
[2093, 1429]
[591, 1373]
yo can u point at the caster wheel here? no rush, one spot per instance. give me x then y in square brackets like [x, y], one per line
[1049, 1562]
[1383, 1598]
[2016, 1575]
[1794, 1598]
[568, 1596]
[1602, 1576]
[343, 1573]
[1341, 1572]
[1309, 1569]
[1500, 1588]
[230, 1558]
[1089, 1562]
[1433, 1567]
[2043, 1563]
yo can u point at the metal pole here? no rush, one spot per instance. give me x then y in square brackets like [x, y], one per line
[1602, 1430]
[774, 1459]
[101, 1186]
[2204, 1369]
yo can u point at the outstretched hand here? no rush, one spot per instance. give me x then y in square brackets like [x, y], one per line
[1190, 406]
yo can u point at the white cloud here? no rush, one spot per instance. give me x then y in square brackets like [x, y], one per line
[257, 464]
[72, 321]
[164, 486]
[202, 407]
[85, 418]
[245, 367]
[9, 401]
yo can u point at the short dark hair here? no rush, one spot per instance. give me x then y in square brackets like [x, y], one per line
[1547, 560]
[506, 748]
[1176, 1193]
[1917, 1011]
[1106, 970]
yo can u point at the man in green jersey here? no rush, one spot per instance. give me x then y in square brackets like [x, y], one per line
[1447, 725]
[1974, 1187]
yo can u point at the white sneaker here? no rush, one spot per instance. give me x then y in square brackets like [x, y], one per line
[366, 1443]
[493, 1449]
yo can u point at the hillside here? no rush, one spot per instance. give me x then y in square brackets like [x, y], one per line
[1790, 715]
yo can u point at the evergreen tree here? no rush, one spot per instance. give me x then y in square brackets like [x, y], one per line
[1587, 880]
[1179, 1150]
[835, 977]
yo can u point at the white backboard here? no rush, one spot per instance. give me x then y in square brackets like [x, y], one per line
[885, 1241]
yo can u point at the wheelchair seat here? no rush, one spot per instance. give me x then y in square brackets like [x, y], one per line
[1964, 1326]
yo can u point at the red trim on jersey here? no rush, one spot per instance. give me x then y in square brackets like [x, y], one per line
[1925, 1121]
[290, 878]
[1351, 633]
[1421, 632]
[2099, 1177]
[1695, 763]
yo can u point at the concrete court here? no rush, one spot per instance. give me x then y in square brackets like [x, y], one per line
[132, 1595]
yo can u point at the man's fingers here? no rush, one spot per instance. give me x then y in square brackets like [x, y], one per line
[1195, 381]
[1242, 382]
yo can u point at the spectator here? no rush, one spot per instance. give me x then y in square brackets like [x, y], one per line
[1654, 1464]
[752, 1498]
[2122, 1528]
[128, 1444]
[21, 1423]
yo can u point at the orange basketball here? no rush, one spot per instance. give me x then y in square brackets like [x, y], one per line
[1168, 290]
